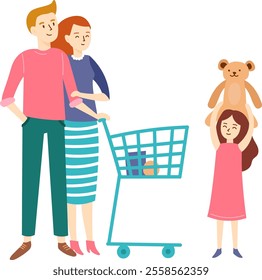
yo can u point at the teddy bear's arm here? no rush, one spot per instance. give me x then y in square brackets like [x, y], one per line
[215, 95]
[253, 94]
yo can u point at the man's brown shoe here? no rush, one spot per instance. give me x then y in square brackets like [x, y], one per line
[21, 250]
[63, 247]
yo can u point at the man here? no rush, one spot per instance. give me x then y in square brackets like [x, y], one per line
[45, 70]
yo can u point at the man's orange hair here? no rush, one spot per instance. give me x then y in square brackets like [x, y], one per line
[32, 16]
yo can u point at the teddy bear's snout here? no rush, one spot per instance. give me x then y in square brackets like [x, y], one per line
[234, 74]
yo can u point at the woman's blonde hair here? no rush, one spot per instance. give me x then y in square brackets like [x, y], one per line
[32, 16]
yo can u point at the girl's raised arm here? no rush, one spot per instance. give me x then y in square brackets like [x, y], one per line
[244, 143]
[213, 122]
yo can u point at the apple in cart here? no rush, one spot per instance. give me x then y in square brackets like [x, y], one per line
[150, 171]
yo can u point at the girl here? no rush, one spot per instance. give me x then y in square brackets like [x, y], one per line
[235, 150]
[81, 132]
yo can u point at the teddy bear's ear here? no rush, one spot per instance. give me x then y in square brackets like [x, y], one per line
[250, 65]
[222, 64]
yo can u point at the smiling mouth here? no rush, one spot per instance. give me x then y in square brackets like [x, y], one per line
[49, 34]
[82, 44]
[228, 133]
[234, 75]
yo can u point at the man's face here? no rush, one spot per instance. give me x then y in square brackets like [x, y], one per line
[46, 28]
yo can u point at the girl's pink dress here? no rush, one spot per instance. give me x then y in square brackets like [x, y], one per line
[227, 199]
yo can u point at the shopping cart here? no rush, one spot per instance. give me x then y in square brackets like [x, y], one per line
[153, 153]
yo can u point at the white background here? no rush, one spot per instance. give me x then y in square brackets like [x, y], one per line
[160, 59]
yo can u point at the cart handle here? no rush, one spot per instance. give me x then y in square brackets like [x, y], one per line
[103, 120]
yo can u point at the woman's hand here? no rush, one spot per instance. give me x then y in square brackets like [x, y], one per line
[75, 93]
[103, 116]
[90, 96]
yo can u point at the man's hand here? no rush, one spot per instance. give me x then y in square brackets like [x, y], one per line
[13, 108]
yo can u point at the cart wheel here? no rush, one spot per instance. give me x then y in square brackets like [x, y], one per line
[123, 252]
[168, 251]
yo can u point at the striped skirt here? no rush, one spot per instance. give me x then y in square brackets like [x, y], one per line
[81, 148]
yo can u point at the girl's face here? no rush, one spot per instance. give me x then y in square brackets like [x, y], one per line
[79, 38]
[230, 128]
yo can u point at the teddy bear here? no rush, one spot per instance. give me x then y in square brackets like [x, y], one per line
[234, 86]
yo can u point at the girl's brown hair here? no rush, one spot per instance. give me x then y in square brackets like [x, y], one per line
[65, 27]
[251, 150]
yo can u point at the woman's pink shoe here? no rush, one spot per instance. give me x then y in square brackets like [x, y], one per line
[90, 246]
[74, 245]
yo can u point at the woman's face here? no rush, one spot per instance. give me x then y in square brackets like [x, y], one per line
[230, 128]
[79, 38]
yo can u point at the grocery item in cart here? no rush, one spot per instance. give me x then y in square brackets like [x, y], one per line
[150, 171]
[133, 160]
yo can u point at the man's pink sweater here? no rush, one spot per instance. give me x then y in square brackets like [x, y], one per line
[44, 73]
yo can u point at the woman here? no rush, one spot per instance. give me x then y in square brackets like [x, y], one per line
[81, 132]
[235, 150]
